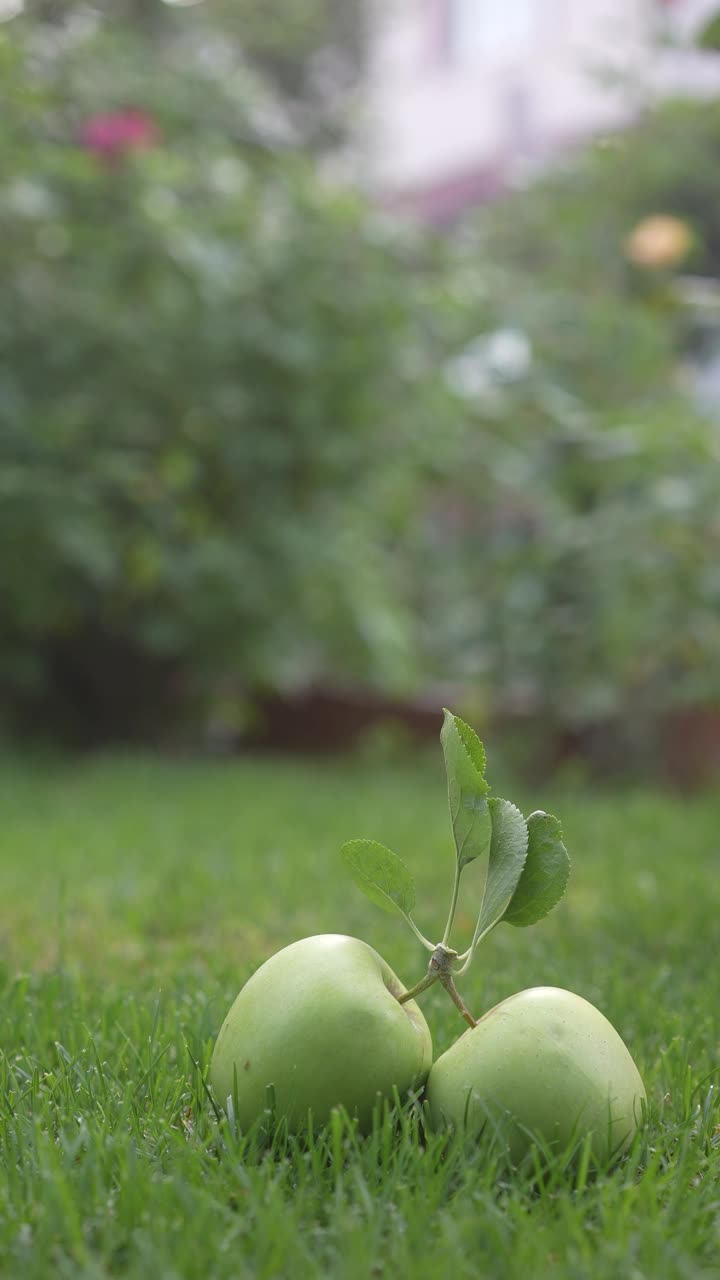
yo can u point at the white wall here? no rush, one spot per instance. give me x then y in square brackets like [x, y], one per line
[582, 67]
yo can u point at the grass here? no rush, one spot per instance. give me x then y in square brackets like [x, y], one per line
[136, 895]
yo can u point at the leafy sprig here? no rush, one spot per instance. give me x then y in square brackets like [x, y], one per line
[527, 862]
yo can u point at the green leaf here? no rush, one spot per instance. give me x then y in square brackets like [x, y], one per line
[380, 874]
[508, 851]
[545, 875]
[467, 789]
[472, 744]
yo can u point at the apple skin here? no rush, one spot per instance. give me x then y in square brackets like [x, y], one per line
[547, 1061]
[321, 1023]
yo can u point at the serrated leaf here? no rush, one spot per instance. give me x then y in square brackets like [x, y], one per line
[467, 789]
[545, 874]
[508, 851]
[380, 874]
[472, 744]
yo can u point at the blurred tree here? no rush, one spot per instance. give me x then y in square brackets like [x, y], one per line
[586, 547]
[217, 392]
[254, 435]
[309, 54]
[708, 36]
[573, 227]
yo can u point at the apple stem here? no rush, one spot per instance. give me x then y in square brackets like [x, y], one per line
[440, 970]
[422, 985]
[454, 994]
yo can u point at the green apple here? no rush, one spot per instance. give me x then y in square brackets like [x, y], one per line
[320, 1022]
[547, 1063]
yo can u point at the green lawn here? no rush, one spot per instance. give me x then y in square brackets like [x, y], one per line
[136, 895]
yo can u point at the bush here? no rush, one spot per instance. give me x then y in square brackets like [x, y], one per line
[215, 390]
[254, 436]
[580, 530]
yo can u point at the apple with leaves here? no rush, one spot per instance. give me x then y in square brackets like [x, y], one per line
[326, 1022]
[544, 1065]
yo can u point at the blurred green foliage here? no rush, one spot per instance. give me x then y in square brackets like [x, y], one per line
[212, 389]
[303, 60]
[586, 590]
[255, 434]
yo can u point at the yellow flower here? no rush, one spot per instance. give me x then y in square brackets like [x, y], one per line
[659, 241]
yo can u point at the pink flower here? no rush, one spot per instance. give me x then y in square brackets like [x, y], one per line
[113, 133]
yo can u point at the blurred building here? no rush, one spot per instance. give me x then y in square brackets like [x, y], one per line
[467, 96]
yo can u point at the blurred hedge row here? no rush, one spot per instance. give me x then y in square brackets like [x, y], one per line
[254, 435]
[212, 389]
[601, 597]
